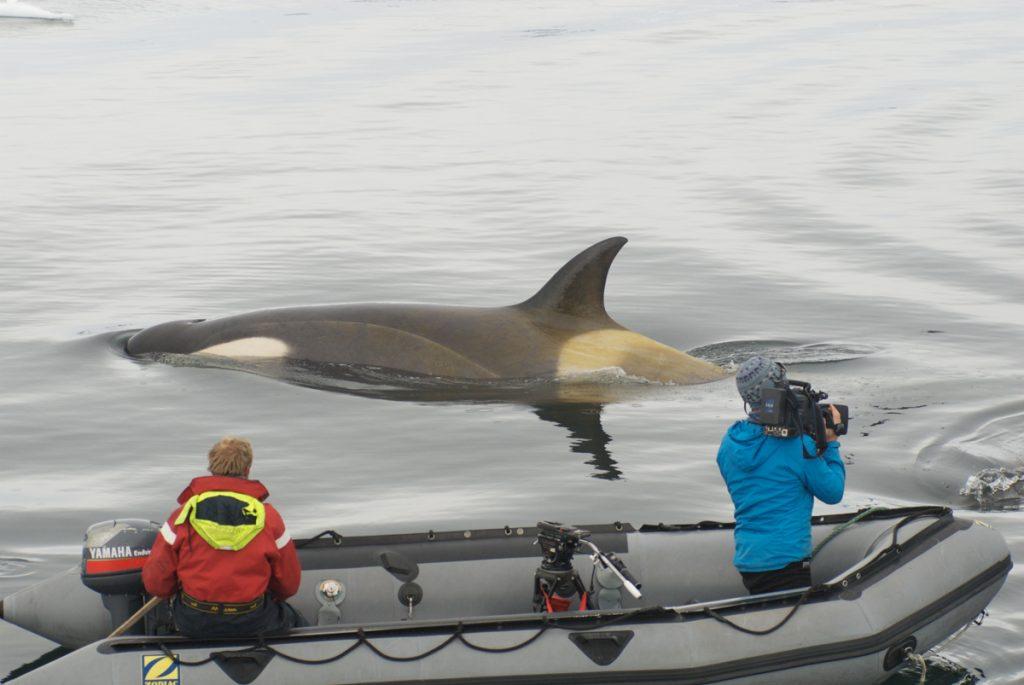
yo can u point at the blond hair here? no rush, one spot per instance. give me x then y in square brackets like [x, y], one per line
[231, 456]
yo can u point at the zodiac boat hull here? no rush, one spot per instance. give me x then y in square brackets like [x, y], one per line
[896, 581]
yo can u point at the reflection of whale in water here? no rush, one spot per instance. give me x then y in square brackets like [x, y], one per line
[583, 421]
[561, 332]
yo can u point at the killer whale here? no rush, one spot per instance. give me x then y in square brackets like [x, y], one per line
[561, 331]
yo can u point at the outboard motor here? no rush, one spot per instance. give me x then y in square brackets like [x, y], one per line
[112, 558]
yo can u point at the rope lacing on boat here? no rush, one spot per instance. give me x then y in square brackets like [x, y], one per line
[459, 635]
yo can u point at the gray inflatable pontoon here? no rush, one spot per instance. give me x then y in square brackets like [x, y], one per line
[457, 607]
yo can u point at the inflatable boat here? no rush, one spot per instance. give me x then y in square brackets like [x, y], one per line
[656, 604]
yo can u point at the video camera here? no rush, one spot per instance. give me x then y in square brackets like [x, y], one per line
[797, 409]
[558, 543]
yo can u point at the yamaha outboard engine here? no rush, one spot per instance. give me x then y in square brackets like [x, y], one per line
[112, 558]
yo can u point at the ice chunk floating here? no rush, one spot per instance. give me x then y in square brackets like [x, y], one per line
[11, 9]
[995, 488]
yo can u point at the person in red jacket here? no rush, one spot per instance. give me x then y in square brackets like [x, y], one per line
[224, 557]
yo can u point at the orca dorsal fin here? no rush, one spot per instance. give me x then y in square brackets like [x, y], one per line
[577, 289]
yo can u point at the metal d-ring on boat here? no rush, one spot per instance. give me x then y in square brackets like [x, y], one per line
[891, 584]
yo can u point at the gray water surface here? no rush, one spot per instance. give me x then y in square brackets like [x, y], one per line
[839, 184]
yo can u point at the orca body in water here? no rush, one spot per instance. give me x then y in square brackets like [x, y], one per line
[562, 331]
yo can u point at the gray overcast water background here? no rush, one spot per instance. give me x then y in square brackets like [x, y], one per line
[841, 184]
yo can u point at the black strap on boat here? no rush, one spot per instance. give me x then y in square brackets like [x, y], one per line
[315, 662]
[460, 635]
[363, 640]
[894, 545]
[944, 516]
[830, 519]
[861, 515]
[566, 623]
[501, 650]
[390, 657]
[335, 536]
[766, 631]
[170, 655]
[644, 612]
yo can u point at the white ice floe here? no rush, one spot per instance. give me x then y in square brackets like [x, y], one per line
[11, 9]
[995, 487]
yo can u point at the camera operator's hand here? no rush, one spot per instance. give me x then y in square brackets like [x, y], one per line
[830, 435]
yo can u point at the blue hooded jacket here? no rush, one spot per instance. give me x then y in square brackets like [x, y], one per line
[773, 488]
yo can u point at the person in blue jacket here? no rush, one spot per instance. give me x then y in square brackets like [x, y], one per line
[773, 487]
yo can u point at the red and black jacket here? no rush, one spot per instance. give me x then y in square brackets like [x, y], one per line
[182, 560]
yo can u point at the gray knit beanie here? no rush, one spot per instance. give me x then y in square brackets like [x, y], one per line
[756, 373]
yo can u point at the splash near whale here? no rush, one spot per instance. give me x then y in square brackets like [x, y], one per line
[561, 332]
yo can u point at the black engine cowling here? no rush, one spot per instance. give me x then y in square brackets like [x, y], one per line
[112, 558]
[113, 555]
